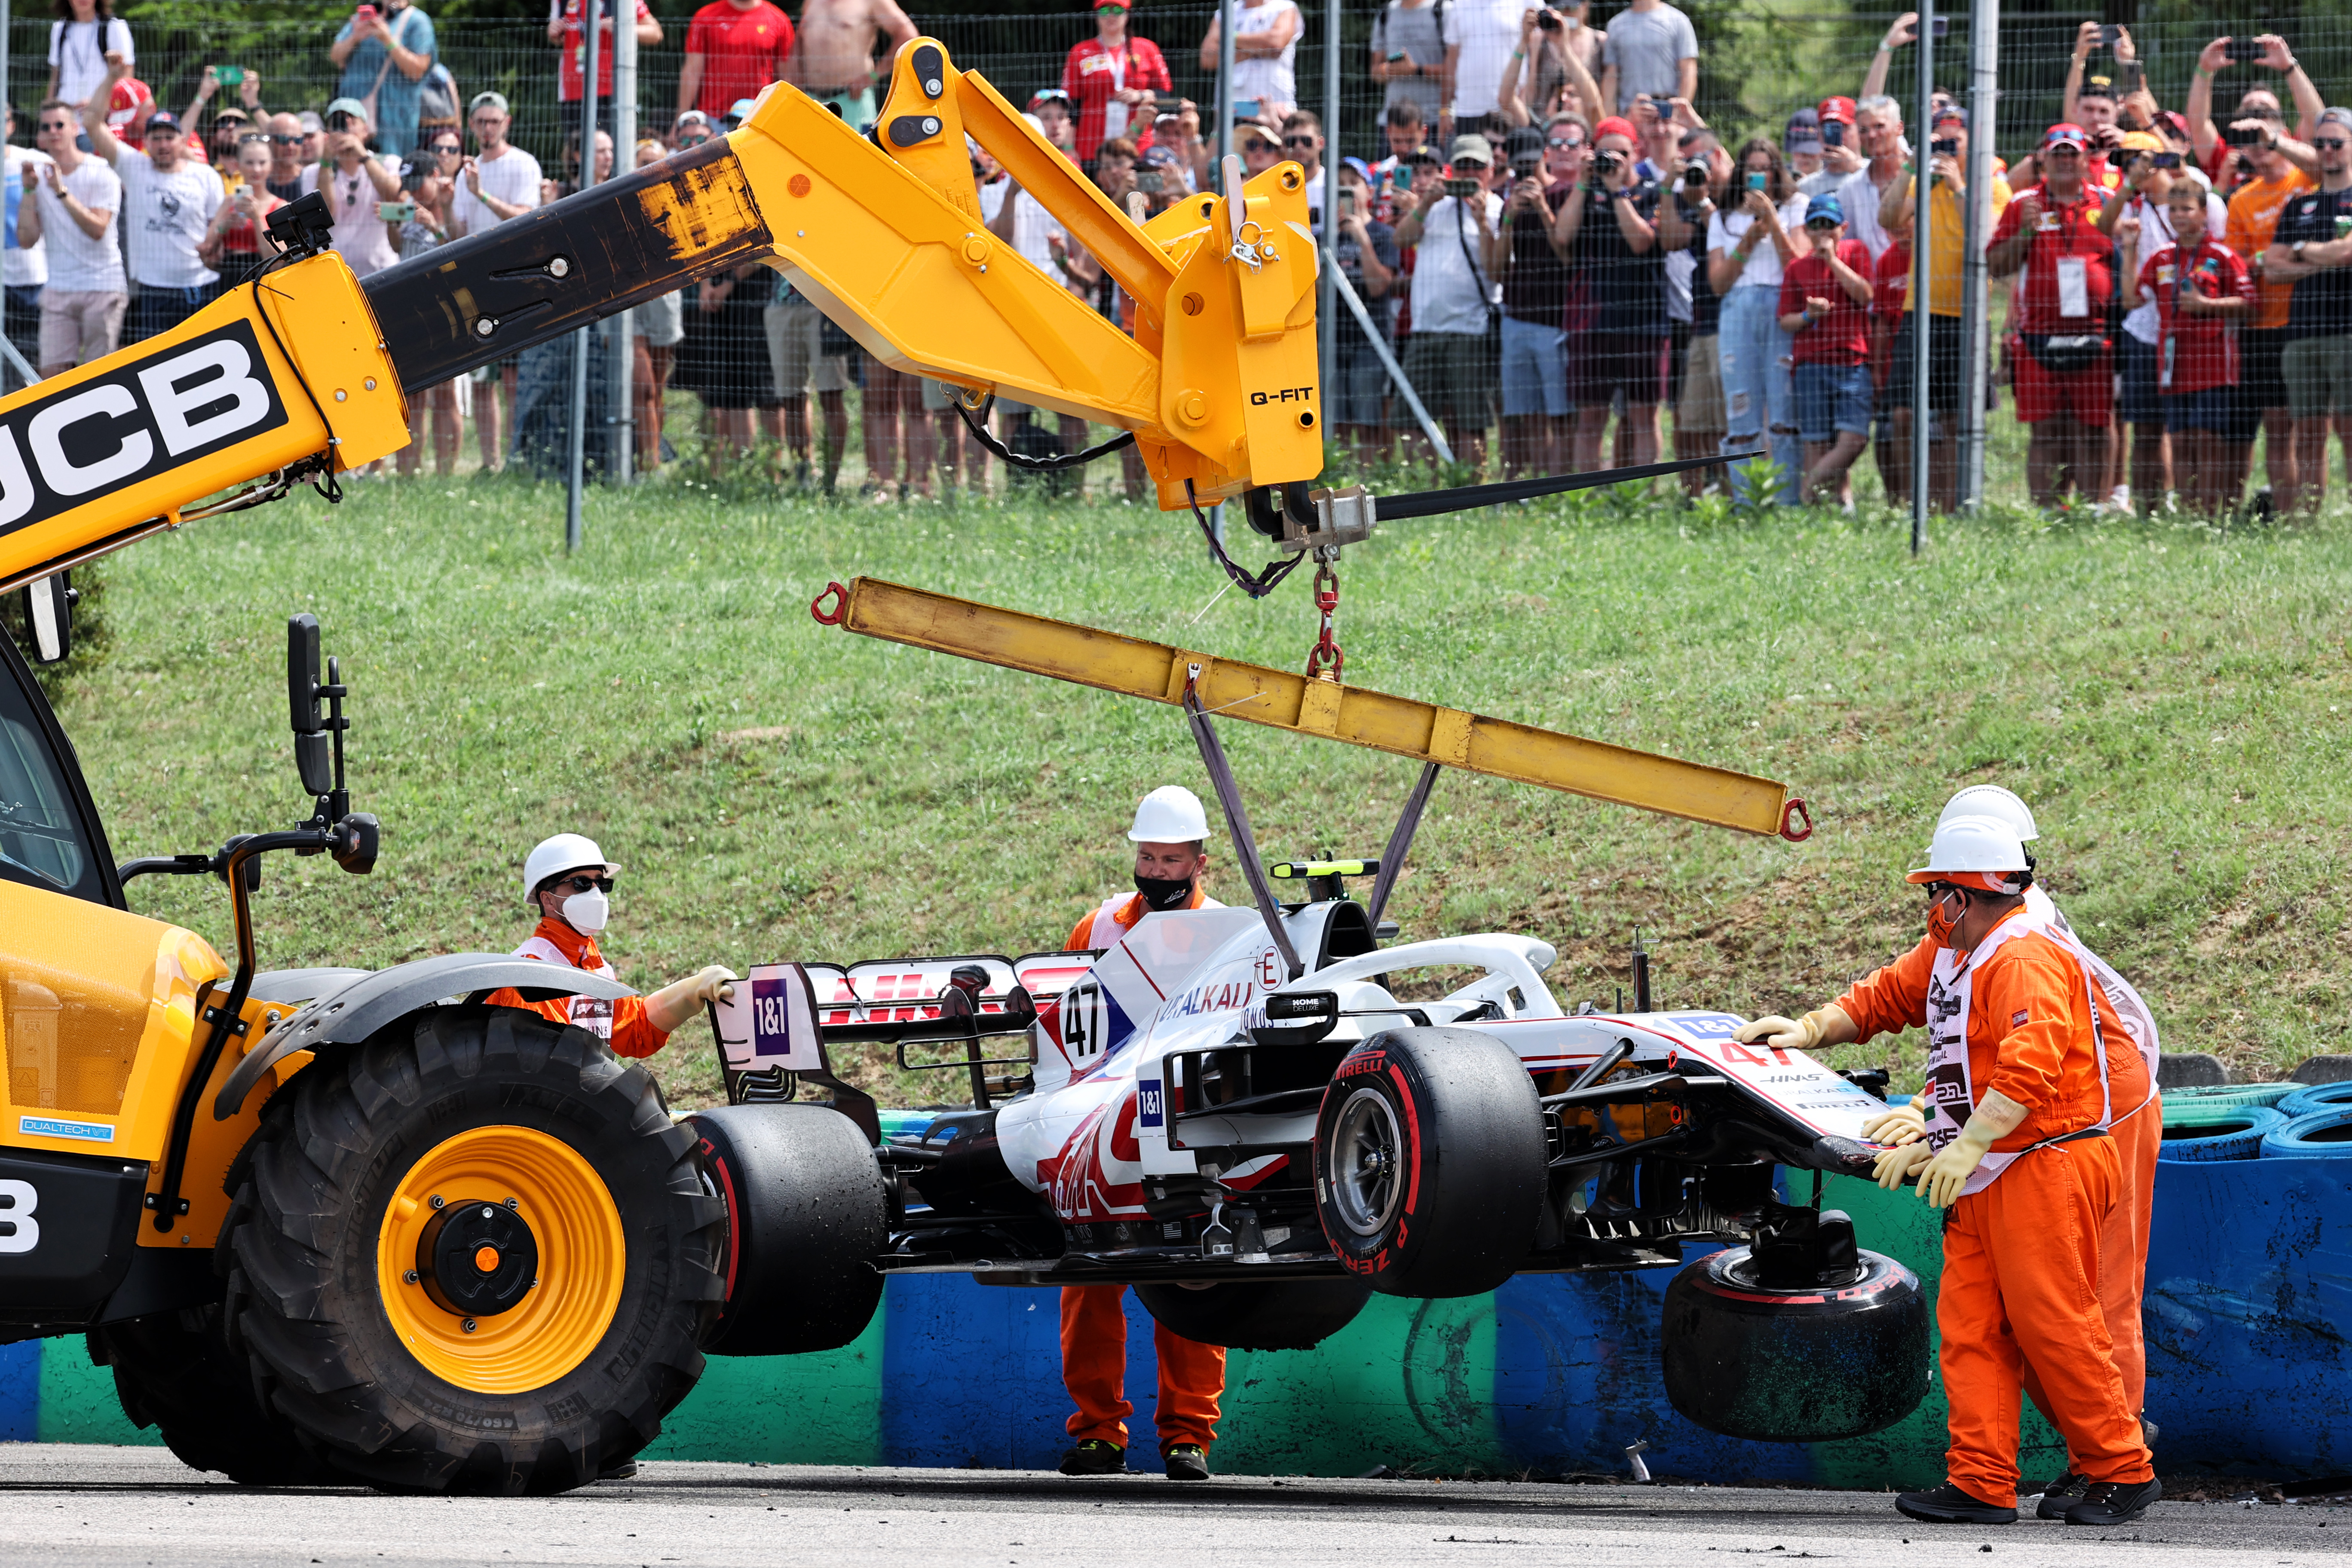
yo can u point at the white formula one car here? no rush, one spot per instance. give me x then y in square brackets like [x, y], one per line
[1244, 1114]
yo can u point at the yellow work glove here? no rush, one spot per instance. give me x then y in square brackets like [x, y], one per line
[1899, 1123]
[1893, 1167]
[676, 1001]
[1943, 1176]
[1806, 1034]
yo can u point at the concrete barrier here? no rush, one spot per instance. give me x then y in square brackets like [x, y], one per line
[2249, 1369]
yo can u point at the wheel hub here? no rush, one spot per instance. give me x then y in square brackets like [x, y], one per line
[476, 1258]
[1364, 1158]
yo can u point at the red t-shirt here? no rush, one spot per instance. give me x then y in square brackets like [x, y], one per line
[1841, 337]
[2068, 231]
[2195, 352]
[1092, 73]
[575, 48]
[1890, 285]
[743, 51]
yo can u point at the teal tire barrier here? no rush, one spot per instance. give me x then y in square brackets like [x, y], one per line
[2197, 1133]
[2313, 1098]
[2269, 1094]
[2322, 1135]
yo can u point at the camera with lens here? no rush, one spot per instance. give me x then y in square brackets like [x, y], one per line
[1695, 175]
[1945, 146]
[1548, 21]
[339, 120]
[1609, 162]
[1149, 182]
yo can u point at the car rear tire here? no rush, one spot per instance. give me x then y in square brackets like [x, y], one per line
[475, 1256]
[1429, 1163]
[805, 1221]
[173, 1371]
[1257, 1315]
[1794, 1366]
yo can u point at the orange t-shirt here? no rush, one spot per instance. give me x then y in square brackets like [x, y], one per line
[2028, 1032]
[634, 1034]
[2254, 219]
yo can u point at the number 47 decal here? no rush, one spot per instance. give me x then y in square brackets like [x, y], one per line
[19, 1232]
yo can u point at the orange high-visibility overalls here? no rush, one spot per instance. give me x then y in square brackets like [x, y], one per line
[2022, 1244]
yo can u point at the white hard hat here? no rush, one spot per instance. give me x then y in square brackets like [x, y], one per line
[1979, 851]
[1169, 814]
[564, 852]
[1992, 800]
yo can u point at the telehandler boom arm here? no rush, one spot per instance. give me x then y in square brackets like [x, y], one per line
[304, 370]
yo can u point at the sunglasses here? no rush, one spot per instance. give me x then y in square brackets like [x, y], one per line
[1820, 225]
[584, 884]
[449, 149]
[285, 140]
[2333, 144]
[692, 141]
[1469, 166]
[1299, 141]
[1564, 141]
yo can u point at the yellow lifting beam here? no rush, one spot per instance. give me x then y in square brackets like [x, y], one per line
[1424, 731]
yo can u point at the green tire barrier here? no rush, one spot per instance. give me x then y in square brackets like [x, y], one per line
[2201, 1132]
[2318, 1097]
[2269, 1094]
[2322, 1135]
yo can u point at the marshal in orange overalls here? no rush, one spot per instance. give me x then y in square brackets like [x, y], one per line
[2021, 1283]
[621, 1024]
[1093, 1317]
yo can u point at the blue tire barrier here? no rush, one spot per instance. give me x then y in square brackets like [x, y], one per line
[2312, 1098]
[2269, 1094]
[2203, 1133]
[2322, 1135]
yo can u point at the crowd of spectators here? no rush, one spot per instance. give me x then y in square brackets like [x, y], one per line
[1540, 242]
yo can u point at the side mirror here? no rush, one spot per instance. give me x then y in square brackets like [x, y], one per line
[1297, 1018]
[356, 840]
[311, 743]
[49, 616]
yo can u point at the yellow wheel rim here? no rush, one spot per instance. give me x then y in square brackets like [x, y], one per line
[582, 1253]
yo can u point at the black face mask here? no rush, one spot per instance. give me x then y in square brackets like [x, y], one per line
[1164, 892]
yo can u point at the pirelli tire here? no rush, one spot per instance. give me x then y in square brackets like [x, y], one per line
[175, 1371]
[474, 1255]
[806, 1219]
[1429, 1163]
[1794, 1366]
[1257, 1315]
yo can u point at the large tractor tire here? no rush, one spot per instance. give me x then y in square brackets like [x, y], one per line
[1794, 1365]
[1257, 1315]
[805, 1221]
[173, 1372]
[474, 1255]
[1429, 1163]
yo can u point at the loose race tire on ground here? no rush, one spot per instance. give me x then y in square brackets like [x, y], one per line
[1257, 1315]
[803, 1194]
[2310, 1099]
[493, 1140]
[1429, 1161]
[2194, 1132]
[173, 1370]
[2322, 1135]
[1794, 1366]
[2268, 1094]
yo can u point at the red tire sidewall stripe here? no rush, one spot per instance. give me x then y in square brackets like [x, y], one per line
[734, 1224]
[1412, 1137]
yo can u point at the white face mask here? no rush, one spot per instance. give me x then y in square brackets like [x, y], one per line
[587, 912]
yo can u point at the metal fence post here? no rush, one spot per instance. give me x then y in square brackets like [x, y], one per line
[1975, 368]
[1224, 83]
[1922, 243]
[1328, 294]
[624, 158]
[574, 523]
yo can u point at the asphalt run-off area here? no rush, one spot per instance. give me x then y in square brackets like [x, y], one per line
[101, 1507]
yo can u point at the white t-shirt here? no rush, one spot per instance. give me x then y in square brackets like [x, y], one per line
[1268, 81]
[2155, 232]
[78, 264]
[1763, 269]
[164, 217]
[78, 53]
[1449, 295]
[512, 177]
[22, 265]
[1033, 227]
[1486, 31]
[361, 237]
[1859, 197]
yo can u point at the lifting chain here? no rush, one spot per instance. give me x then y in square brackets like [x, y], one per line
[1324, 660]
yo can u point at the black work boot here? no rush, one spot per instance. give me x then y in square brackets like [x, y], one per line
[2114, 1502]
[1947, 1504]
[2062, 1494]
[1187, 1462]
[1094, 1457]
